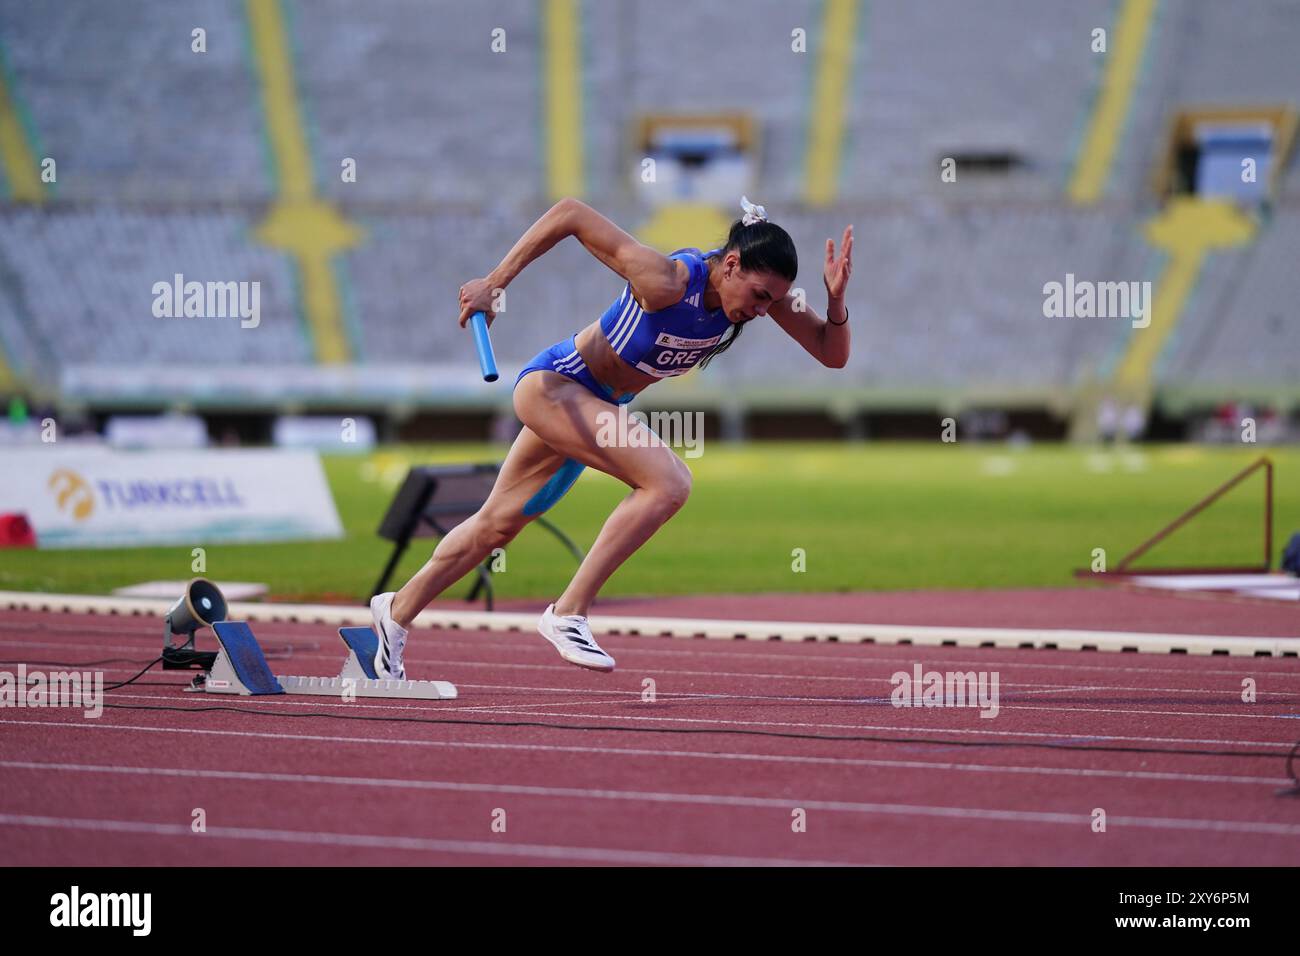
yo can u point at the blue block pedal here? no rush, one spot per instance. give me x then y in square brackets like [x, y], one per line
[240, 667]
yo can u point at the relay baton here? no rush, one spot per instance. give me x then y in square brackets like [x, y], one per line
[486, 360]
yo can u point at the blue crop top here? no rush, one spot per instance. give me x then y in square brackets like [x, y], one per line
[671, 341]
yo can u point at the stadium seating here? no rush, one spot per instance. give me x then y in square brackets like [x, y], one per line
[164, 169]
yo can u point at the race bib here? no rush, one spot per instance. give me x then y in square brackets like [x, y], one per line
[675, 355]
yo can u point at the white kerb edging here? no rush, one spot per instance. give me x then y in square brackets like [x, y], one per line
[849, 633]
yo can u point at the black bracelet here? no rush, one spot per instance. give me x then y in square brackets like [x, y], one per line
[846, 317]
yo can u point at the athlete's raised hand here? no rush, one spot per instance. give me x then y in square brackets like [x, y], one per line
[476, 295]
[838, 270]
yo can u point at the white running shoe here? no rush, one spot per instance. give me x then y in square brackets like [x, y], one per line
[392, 638]
[572, 638]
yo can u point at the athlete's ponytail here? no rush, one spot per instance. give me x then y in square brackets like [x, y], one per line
[763, 247]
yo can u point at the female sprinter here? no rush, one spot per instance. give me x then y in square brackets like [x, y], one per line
[671, 316]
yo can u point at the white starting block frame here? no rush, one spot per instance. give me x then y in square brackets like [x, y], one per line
[241, 668]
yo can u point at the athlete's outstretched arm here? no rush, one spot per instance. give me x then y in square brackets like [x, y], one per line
[657, 281]
[826, 340]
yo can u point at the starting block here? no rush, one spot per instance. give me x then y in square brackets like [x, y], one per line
[241, 668]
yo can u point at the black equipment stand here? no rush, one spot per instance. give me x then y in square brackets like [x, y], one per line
[434, 499]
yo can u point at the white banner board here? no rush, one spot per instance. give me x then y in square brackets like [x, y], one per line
[87, 498]
[340, 435]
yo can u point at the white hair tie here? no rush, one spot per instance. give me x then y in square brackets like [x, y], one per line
[753, 213]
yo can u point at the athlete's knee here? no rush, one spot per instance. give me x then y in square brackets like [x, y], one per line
[674, 487]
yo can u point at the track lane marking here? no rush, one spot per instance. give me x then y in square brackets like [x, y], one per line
[834, 762]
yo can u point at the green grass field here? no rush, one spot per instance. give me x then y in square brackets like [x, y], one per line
[869, 516]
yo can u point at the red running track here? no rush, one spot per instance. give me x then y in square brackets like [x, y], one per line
[738, 744]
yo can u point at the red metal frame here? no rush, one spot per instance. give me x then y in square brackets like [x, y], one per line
[1122, 569]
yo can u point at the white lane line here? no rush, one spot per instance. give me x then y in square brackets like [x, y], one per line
[896, 729]
[1063, 738]
[1154, 713]
[703, 799]
[574, 703]
[197, 703]
[1011, 686]
[829, 762]
[867, 700]
[258, 775]
[415, 844]
[663, 698]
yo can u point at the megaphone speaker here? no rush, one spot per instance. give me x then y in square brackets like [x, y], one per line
[202, 605]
